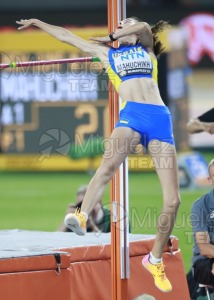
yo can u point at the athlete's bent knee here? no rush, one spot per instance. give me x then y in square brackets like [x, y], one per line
[173, 203]
[107, 171]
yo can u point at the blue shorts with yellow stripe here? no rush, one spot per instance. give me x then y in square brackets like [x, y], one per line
[152, 122]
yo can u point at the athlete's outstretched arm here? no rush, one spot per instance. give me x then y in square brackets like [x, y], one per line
[196, 126]
[142, 29]
[64, 36]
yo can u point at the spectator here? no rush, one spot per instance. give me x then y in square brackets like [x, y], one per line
[203, 123]
[202, 217]
[195, 291]
[99, 218]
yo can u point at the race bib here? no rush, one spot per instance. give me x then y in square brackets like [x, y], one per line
[133, 62]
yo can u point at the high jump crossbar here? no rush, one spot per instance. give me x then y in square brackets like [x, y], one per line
[48, 62]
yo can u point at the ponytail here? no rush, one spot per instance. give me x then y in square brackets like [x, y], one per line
[157, 28]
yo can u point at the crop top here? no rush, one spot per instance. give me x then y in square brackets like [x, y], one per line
[130, 61]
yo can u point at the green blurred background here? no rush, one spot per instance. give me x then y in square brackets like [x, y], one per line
[37, 201]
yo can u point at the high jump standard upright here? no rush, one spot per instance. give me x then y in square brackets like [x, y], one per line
[120, 269]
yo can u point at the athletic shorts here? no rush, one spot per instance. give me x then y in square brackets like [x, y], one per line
[152, 122]
[202, 271]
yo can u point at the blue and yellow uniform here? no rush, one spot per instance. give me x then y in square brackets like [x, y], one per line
[153, 122]
[130, 61]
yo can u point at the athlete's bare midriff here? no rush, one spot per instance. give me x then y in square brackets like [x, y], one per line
[143, 90]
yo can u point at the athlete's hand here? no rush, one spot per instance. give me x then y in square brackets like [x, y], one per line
[209, 127]
[25, 23]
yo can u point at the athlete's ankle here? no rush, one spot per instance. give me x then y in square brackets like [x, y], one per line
[154, 260]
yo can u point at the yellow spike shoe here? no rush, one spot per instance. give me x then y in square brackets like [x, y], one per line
[157, 270]
[76, 222]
